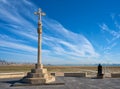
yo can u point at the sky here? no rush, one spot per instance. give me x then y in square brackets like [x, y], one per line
[74, 31]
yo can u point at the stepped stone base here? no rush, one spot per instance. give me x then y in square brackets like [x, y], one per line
[39, 75]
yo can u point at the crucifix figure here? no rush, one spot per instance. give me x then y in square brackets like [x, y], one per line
[39, 13]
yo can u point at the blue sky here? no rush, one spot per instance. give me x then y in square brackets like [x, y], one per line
[74, 31]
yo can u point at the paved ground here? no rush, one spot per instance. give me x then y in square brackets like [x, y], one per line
[70, 83]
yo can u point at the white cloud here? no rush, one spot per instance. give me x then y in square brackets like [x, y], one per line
[17, 46]
[112, 37]
[115, 34]
[111, 46]
[18, 57]
[29, 3]
[12, 14]
[8, 38]
[25, 34]
[66, 42]
[58, 42]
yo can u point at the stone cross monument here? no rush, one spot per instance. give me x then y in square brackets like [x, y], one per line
[39, 13]
[39, 75]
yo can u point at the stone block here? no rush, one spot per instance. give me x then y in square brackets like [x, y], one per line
[75, 74]
[53, 74]
[39, 71]
[12, 75]
[50, 79]
[38, 80]
[34, 80]
[115, 75]
[37, 75]
[38, 66]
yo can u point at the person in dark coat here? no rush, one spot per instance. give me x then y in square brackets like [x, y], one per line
[99, 69]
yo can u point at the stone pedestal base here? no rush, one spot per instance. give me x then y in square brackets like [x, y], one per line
[100, 76]
[38, 66]
[39, 75]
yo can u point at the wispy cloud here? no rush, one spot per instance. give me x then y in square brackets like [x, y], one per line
[112, 36]
[111, 41]
[58, 42]
[115, 34]
[16, 18]
[64, 41]
[17, 46]
[17, 30]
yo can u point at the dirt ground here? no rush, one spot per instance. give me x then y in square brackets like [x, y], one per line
[59, 69]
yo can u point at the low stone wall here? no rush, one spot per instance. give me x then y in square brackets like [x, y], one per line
[12, 75]
[53, 74]
[115, 75]
[75, 74]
